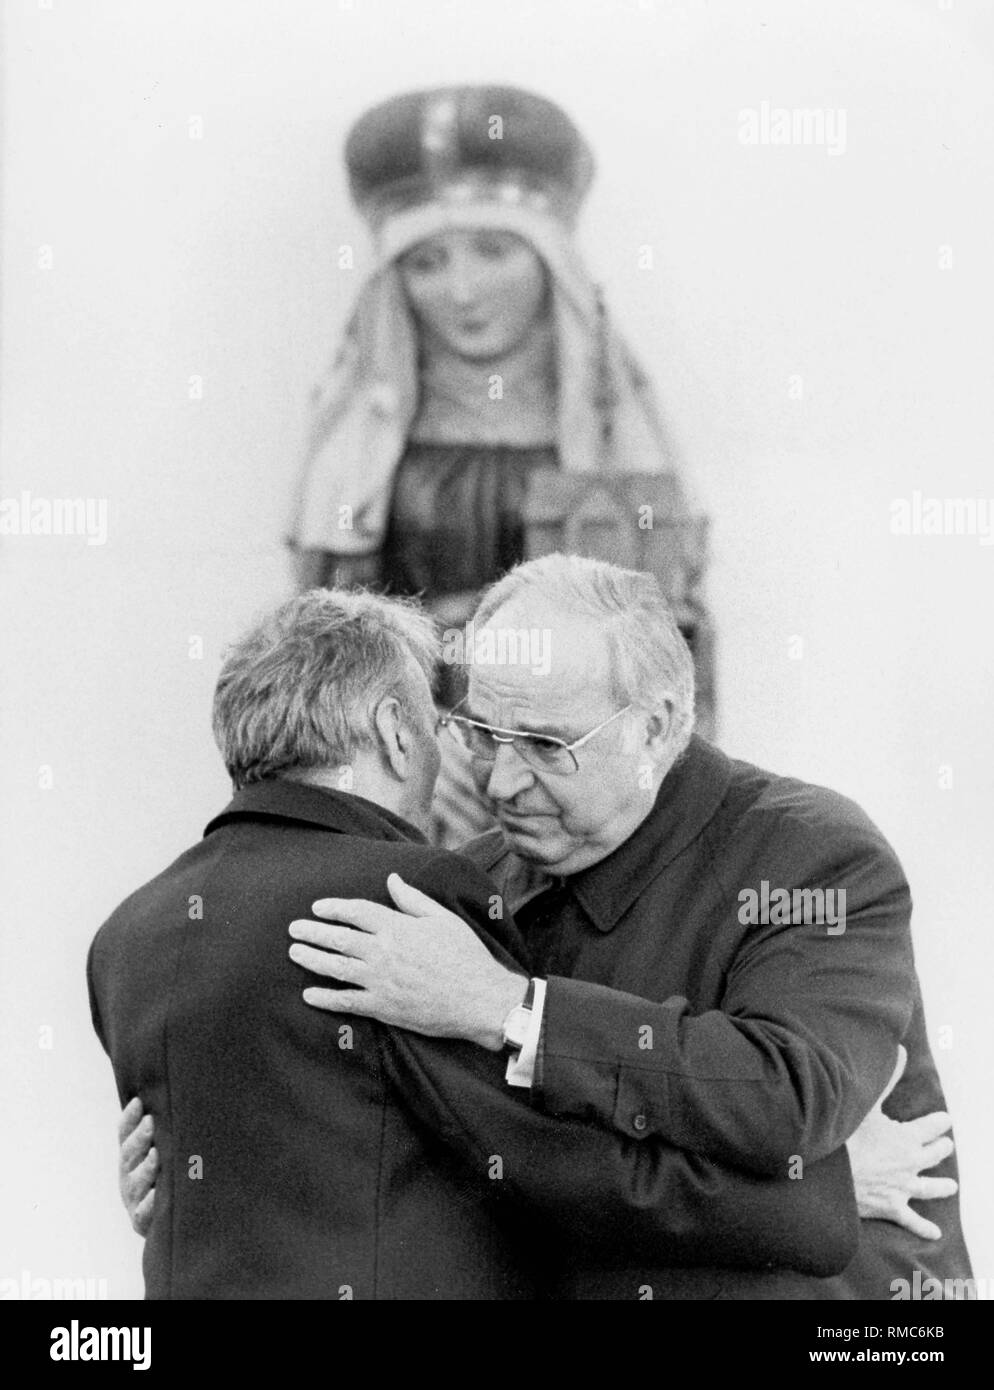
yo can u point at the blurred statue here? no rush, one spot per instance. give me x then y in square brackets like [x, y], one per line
[481, 389]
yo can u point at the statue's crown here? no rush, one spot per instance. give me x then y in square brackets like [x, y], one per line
[468, 145]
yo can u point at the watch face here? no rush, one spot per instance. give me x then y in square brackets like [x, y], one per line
[517, 1026]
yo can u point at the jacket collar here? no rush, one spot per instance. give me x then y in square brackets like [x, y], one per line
[691, 793]
[280, 799]
[688, 799]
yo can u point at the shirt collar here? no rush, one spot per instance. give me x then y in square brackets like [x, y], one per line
[280, 799]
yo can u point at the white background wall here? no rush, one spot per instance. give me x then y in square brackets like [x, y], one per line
[175, 257]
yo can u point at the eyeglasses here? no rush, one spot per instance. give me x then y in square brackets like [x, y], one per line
[544, 752]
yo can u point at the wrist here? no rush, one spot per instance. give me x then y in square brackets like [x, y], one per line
[506, 994]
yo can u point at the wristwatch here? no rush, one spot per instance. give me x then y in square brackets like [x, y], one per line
[515, 1027]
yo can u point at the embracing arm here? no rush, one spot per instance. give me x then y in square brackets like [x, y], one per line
[603, 1191]
[800, 1048]
[600, 1188]
[425, 969]
[888, 1158]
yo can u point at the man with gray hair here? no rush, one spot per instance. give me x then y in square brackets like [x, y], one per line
[304, 1155]
[721, 957]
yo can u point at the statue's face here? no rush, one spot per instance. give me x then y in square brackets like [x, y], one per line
[478, 291]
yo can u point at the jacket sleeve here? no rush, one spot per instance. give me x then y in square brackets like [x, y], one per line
[600, 1188]
[614, 1195]
[806, 1035]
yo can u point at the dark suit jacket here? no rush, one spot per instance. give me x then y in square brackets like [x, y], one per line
[290, 1168]
[672, 1012]
[310, 1155]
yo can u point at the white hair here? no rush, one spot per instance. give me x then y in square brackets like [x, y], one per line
[301, 688]
[650, 660]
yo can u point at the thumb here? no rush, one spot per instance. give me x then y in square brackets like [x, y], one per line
[412, 900]
[902, 1062]
[917, 1225]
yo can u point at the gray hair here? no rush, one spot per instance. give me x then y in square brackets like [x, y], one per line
[650, 659]
[301, 688]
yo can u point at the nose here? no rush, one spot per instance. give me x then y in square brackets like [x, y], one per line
[462, 278]
[510, 774]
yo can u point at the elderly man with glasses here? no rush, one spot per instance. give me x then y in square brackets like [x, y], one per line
[655, 1005]
[721, 957]
[543, 752]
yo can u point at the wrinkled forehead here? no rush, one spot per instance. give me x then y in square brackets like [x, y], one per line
[533, 658]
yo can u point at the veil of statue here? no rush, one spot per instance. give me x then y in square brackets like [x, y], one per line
[482, 408]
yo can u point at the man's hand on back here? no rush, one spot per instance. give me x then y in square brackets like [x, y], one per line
[421, 968]
[138, 1164]
[888, 1158]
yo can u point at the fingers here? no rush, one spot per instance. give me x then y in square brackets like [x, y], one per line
[142, 1181]
[356, 912]
[141, 1218]
[348, 969]
[928, 1127]
[138, 1191]
[135, 1148]
[130, 1118]
[412, 900]
[902, 1062]
[917, 1225]
[137, 1184]
[330, 938]
[338, 1001]
[936, 1152]
[932, 1189]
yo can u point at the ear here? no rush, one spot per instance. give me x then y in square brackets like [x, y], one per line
[659, 726]
[394, 736]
